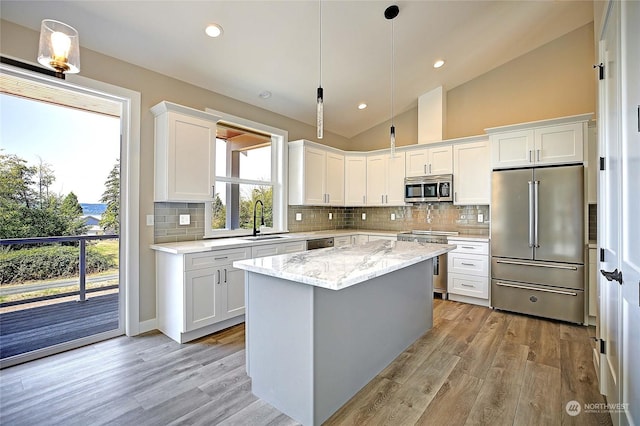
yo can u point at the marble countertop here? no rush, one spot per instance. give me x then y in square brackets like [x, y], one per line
[341, 267]
[198, 246]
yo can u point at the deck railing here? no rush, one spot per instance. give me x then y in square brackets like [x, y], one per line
[82, 239]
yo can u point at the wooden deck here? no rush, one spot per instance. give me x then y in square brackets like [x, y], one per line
[29, 329]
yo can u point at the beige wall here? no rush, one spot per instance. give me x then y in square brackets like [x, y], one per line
[22, 43]
[554, 80]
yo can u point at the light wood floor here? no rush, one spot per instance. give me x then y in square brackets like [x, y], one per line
[476, 366]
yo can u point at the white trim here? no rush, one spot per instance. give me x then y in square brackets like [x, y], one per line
[148, 325]
[279, 173]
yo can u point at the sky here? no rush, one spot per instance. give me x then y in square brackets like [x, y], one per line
[81, 147]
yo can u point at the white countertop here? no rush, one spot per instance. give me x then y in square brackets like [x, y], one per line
[198, 246]
[340, 267]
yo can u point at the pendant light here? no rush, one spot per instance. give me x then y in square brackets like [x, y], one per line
[59, 48]
[390, 13]
[320, 94]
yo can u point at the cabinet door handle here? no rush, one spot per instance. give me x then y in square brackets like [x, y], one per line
[364, 199]
[429, 168]
[386, 199]
[218, 276]
[225, 275]
[425, 169]
[213, 191]
[382, 199]
[328, 198]
[538, 154]
[530, 154]
[455, 196]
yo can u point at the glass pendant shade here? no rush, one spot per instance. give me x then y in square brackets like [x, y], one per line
[320, 113]
[59, 47]
[393, 141]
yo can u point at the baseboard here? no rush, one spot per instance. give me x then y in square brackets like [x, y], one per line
[147, 325]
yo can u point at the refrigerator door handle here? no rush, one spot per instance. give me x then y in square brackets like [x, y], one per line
[531, 209]
[545, 290]
[539, 264]
[536, 193]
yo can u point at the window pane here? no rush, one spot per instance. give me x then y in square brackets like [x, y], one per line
[221, 157]
[255, 164]
[234, 204]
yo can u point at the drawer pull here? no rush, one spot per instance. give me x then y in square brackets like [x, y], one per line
[524, 287]
[221, 258]
[540, 265]
[468, 247]
[468, 264]
[467, 285]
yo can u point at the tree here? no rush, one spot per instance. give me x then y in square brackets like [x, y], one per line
[110, 221]
[247, 203]
[71, 211]
[219, 214]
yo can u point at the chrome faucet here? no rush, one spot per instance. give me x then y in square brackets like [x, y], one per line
[255, 207]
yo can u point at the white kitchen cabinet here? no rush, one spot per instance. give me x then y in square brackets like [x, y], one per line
[385, 179]
[429, 161]
[278, 248]
[359, 239]
[468, 271]
[383, 237]
[185, 142]
[316, 175]
[560, 141]
[199, 293]
[355, 180]
[341, 241]
[471, 173]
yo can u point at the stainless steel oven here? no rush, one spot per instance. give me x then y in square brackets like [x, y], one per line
[440, 262]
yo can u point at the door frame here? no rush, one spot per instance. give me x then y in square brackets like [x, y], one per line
[129, 273]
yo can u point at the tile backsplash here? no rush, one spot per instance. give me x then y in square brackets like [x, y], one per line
[435, 216]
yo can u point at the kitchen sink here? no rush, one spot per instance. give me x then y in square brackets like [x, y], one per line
[263, 237]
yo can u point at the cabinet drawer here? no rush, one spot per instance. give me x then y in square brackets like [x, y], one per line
[470, 264]
[342, 241]
[215, 258]
[469, 285]
[548, 302]
[294, 247]
[470, 247]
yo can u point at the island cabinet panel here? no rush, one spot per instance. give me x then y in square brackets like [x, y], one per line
[310, 367]
[199, 293]
[185, 142]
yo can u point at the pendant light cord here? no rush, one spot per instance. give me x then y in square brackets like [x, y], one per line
[392, 69]
[320, 50]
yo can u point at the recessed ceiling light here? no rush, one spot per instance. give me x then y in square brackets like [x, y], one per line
[362, 106]
[438, 63]
[265, 94]
[213, 30]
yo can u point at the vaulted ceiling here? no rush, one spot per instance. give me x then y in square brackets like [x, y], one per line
[275, 46]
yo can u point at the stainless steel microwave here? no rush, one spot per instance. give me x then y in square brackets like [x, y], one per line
[426, 189]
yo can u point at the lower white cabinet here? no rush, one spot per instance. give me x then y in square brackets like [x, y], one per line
[199, 293]
[278, 248]
[359, 239]
[468, 271]
[344, 240]
[383, 237]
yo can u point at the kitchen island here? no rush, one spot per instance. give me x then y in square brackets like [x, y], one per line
[321, 324]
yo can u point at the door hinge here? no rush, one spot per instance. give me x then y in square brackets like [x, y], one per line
[603, 347]
[601, 255]
[602, 163]
[600, 67]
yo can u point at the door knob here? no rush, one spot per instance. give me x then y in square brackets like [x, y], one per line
[612, 276]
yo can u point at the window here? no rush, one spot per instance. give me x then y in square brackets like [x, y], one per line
[249, 167]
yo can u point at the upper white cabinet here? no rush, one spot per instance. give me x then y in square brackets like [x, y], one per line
[558, 141]
[385, 179]
[185, 141]
[355, 180]
[430, 161]
[471, 173]
[316, 175]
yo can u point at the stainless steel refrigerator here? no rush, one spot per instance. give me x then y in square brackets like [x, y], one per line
[537, 241]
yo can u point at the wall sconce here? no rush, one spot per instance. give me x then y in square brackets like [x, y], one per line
[59, 49]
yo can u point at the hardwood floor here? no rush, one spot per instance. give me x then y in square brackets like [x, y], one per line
[476, 366]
